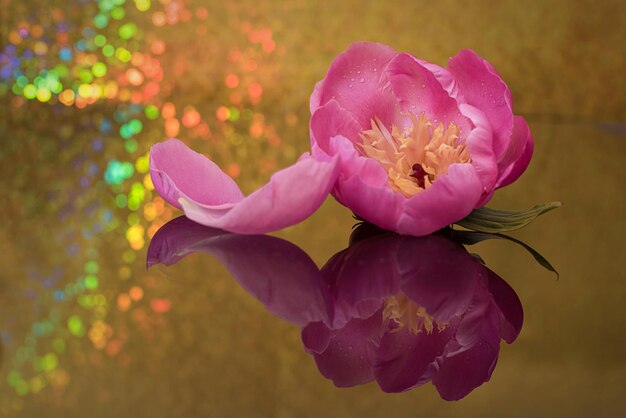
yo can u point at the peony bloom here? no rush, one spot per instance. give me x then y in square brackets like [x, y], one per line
[401, 311]
[420, 146]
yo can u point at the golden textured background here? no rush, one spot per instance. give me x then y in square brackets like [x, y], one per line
[217, 352]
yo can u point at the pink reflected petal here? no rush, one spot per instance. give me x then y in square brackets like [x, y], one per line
[464, 371]
[438, 274]
[350, 353]
[404, 360]
[276, 272]
[507, 301]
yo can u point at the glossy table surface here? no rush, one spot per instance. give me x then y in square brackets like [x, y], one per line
[86, 329]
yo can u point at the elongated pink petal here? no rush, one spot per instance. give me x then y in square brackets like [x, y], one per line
[451, 198]
[520, 153]
[419, 91]
[291, 196]
[357, 81]
[483, 88]
[176, 169]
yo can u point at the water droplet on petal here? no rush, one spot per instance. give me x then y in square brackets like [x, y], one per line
[362, 80]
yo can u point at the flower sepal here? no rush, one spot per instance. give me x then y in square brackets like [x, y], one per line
[495, 221]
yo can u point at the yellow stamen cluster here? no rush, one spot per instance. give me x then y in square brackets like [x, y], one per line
[405, 313]
[415, 158]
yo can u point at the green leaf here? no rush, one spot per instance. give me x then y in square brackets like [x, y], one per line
[494, 220]
[472, 237]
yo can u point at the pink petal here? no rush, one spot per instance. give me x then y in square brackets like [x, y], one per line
[450, 198]
[483, 88]
[356, 79]
[419, 91]
[363, 187]
[519, 153]
[479, 144]
[291, 196]
[174, 168]
[332, 120]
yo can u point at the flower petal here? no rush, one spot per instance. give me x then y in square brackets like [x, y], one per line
[483, 88]
[332, 120]
[419, 91]
[178, 171]
[357, 81]
[292, 194]
[479, 144]
[363, 187]
[449, 199]
[516, 159]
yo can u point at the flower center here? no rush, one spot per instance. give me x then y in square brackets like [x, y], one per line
[416, 157]
[405, 313]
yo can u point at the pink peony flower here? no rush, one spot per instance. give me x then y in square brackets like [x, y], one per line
[407, 145]
[421, 146]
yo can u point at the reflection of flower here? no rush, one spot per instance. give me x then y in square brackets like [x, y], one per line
[413, 310]
[427, 144]
[399, 310]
